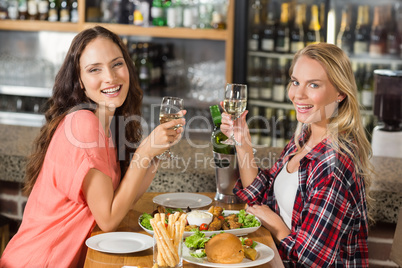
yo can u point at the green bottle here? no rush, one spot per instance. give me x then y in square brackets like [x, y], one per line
[217, 136]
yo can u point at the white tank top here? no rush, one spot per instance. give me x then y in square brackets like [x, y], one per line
[285, 188]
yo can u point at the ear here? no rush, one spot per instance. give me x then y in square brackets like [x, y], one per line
[341, 97]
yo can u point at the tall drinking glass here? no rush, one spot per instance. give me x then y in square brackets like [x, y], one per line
[170, 110]
[235, 103]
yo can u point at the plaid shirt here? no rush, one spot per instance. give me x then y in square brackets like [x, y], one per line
[329, 221]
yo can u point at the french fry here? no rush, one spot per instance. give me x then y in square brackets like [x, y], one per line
[168, 242]
[157, 217]
[176, 216]
[163, 217]
[171, 225]
[167, 256]
[177, 234]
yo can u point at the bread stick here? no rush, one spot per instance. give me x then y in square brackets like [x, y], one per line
[168, 242]
[167, 255]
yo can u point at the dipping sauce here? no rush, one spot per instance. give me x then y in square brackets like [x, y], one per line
[198, 214]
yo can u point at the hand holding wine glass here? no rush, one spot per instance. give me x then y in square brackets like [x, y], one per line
[235, 103]
[171, 109]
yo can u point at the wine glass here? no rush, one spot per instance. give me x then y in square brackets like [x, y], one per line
[235, 103]
[170, 110]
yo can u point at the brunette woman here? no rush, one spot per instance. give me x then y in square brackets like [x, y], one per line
[77, 177]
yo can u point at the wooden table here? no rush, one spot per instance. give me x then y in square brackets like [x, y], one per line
[98, 259]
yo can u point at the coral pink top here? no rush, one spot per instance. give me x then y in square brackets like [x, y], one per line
[57, 219]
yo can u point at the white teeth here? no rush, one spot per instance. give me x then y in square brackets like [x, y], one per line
[304, 106]
[111, 90]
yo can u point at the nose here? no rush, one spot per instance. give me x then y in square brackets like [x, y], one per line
[296, 92]
[110, 75]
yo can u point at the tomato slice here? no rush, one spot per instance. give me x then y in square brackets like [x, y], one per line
[248, 242]
[204, 227]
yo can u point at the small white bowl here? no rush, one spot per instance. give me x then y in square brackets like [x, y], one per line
[197, 217]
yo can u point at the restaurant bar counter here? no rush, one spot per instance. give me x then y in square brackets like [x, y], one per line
[193, 170]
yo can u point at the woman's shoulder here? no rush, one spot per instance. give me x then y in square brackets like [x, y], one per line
[83, 124]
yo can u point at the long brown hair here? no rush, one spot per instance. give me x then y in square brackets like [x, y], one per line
[68, 94]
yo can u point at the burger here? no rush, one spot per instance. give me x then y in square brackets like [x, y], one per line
[224, 248]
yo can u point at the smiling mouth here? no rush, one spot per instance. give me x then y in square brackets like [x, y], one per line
[304, 107]
[111, 90]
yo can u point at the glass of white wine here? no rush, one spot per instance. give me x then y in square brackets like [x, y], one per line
[170, 110]
[235, 103]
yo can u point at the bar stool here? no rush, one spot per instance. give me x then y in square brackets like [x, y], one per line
[4, 232]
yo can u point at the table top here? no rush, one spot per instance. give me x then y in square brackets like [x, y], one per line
[144, 259]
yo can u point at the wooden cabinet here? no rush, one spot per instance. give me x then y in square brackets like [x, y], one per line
[161, 32]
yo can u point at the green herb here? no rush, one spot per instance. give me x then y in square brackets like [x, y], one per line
[243, 239]
[196, 240]
[199, 253]
[145, 221]
[248, 220]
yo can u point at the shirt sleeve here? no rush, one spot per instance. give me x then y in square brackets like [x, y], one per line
[326, 219]
[81, 146]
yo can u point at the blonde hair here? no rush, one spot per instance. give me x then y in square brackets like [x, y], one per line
[345, 127]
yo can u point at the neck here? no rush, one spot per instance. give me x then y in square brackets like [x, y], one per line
[317, 135]
[105, 116]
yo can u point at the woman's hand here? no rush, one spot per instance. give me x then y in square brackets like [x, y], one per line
[162, 137]
[270, 220]
[238, 127]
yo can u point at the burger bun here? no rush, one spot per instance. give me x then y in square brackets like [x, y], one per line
[224, 248]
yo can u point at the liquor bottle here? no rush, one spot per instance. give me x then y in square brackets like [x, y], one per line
[205, 10]
[174, 14]
[12, 9]
[74, 11]
[291, 125]
[279, 88]
[368, 87]
[267, 127]
[393, 36]
[313, 32]
[254, 128]
[344, 39]
[378, 39]
[190, 14]
[217, 136]
[267, 80]
[157, 13]
[297, 31]
[144, 67]
[64, 11]
[254, 77]
[43, 9]
[217, 21]
[32, 10]
[53, 11]
[22, 10]
[323, 22]
[282, 44]
[362, 31]
[268, 33]
[254, 40]
[280, 128]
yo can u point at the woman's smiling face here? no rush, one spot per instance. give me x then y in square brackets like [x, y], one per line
[313, 95]
[104, 73]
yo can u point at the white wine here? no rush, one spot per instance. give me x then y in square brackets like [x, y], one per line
[163, 118]
[235, 107]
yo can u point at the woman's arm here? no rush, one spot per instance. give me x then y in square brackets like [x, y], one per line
[247, 165]
[109, 207]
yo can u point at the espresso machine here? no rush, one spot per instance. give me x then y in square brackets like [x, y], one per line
[387, 135]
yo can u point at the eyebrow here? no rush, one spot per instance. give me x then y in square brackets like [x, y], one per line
[309, 81]
[96, 64]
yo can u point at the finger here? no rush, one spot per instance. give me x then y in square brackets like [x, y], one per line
[173, 123]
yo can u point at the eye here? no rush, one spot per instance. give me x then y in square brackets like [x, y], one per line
[313, 85]
[92, 70]
[117, 64]
[294, 82]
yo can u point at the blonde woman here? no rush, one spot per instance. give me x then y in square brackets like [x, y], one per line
[314, 199]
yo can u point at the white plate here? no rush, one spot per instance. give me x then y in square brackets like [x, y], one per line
[120, 242]
[264, 255]
[238, 232]
[182, 200]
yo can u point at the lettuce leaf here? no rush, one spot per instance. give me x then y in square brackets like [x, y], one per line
[196, 240]
[145, 221]
[248, 220]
